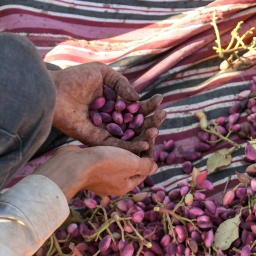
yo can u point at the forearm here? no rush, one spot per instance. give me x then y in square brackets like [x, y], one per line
[30, 212]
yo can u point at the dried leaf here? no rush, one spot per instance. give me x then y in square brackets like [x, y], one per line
[219, 159]
[243, 178]
[227, 233]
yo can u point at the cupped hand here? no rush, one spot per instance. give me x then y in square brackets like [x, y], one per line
[78, 86]
[104, 170]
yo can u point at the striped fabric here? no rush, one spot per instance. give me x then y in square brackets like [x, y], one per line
[160, 46]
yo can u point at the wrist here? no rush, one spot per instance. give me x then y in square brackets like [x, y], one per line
[68, 169]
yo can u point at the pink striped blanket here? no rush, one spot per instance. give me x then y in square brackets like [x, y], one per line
[161, 47]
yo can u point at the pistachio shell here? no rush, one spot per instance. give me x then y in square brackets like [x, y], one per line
[98, 103]
[114, 129]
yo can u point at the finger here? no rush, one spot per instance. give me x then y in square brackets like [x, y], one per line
[133, 146]
[98, 136]
[150, 105]
[118, 83]
[148, 135]
[150, 151]
[88, 133]
[154, 120]
[146, 166]
[135, 181]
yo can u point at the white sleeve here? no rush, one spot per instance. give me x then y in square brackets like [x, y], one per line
[30, 212]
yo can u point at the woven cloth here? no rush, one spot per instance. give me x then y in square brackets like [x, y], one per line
[161, 47]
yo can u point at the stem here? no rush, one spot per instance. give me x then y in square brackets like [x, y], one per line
[164, 223]
[173, 214]
[57, 245]
[222, 137]
[90, 223]
[213, 247]
[253, 244]
[51, 245]
[179, 204]
[94, 213]
[139, 250]
[104, 212]
[170, 226]
[213, 141]
[137, 239]
[65, 240]
[237, 186]
[102, 228]
[234, 35]
[146, 243]
[236, 250]
[148, 236]
[232, 150]
[120, 198]
[95, 254]
[75, 251]
[112, 237]
[218, 41]
[249, 205]
[226, 185]
[53, 251]
[240, 39]
[121, 228]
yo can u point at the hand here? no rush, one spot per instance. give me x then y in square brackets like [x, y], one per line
[104, 170]
[78, 86]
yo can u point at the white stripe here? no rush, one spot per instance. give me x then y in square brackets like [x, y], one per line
[46, 35]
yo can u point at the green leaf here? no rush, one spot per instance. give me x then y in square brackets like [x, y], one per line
[227, 233]
[219, 159]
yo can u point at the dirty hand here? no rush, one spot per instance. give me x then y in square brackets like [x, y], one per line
[78, 86]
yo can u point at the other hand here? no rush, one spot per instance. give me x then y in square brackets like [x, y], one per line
[104, 170]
